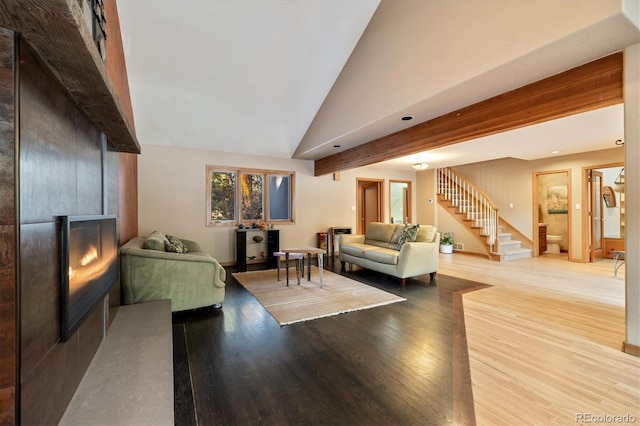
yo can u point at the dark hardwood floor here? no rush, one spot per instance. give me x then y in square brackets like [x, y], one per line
[393, 364]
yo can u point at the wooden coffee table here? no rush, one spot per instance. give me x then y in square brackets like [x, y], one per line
[309, 251]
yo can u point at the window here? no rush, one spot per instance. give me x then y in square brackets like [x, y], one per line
[248, 196]
[280, 195]
[223, 196]
[252, 196]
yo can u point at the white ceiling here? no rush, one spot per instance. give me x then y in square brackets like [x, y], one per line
[262, 77]
[239, 76]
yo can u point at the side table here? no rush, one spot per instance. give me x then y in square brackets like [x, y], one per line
[308, 251]
[334, 232]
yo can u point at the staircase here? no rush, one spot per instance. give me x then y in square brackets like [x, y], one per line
[473, 208]
[509, 249]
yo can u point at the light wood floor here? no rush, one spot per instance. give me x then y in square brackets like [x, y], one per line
[545, 341]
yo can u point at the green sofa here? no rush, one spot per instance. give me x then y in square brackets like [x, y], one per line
[191, 279]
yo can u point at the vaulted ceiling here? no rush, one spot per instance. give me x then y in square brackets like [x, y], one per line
[295, 78]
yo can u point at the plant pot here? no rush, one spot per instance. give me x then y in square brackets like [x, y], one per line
[446, 248]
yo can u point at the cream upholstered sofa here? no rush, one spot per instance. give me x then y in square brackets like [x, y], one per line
[150, 270]
[378, 250]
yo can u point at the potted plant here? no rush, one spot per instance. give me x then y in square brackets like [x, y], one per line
[446, 242]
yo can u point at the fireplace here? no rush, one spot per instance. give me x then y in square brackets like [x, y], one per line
[89, 266]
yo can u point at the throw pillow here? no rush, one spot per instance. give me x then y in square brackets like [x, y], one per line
[174, 245]
[155, 241]
[409, 233]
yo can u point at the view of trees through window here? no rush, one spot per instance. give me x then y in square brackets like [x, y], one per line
[249, 196]
[223, 196]
[252, 197]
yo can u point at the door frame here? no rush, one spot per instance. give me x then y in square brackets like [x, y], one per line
[536, 213]
[586, 233]
[360, 185]
[595, 254]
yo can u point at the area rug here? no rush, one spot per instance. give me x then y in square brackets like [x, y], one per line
[308, 301]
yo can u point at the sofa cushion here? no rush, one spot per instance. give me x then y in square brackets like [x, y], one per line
[174, 245]
[393, 244]
[357, 249]
[426, 234]
[379, 233]
[409, 233]
[381, 255]
[155, 241]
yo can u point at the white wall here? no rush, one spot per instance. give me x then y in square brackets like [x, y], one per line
[632, 189]
[172, 191]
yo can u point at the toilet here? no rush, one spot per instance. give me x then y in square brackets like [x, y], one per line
[553, 244]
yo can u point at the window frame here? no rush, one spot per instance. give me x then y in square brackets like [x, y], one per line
[239, 171]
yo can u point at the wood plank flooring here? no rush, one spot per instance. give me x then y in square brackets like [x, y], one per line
[387, 365]
[545, 341]
[544, 346]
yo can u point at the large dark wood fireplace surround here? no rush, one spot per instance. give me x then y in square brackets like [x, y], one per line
[55, 160]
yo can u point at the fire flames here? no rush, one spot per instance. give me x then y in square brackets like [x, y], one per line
[89, 256]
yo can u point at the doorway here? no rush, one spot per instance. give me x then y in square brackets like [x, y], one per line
[369, 203]
[400, 201]
[551, 219]
[603, 221]
[596, 221]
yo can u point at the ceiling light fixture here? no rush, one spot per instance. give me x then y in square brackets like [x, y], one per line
[420, 166]
[618, 184]
[557, 151]
[407, 118]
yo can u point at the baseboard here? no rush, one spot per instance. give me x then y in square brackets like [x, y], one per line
[472, 253]
[630, 349]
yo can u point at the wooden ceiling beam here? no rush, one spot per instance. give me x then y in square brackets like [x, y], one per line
[595, 85]
[56, 31]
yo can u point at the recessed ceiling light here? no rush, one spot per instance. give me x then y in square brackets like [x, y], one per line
[555, 152]
[407, 118]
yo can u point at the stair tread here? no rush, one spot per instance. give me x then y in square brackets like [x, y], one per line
[516, 254]
[518, 250]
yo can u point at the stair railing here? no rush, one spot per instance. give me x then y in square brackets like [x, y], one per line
[471, 201]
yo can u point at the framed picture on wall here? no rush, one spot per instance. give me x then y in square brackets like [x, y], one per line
[557, 199]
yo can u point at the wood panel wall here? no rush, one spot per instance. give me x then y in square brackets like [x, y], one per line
[117, 72]
[63, 171]
[64, 168]
[8, 254]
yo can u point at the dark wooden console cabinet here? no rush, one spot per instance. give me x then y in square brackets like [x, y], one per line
[249, 251]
